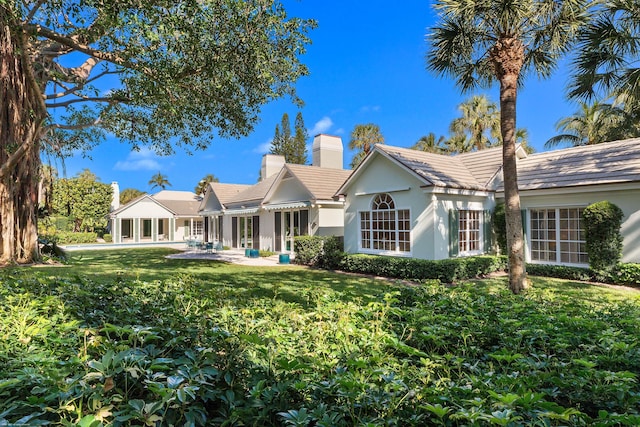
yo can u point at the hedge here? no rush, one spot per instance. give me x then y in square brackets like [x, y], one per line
[627, 274]
[446, 270]
[319, 251]
[68, 237]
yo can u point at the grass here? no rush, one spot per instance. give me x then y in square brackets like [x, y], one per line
[131, 337]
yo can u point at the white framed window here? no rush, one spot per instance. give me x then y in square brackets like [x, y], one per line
[385, 229]
[469, 232]
[557, 236]
[197, 228]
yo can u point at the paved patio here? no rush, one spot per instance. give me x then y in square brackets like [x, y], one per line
[230, 255]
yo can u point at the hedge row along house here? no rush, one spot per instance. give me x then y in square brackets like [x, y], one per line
[403, 202]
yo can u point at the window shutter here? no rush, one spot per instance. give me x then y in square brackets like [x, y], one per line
[454, 218]
[524, 222]
[487, 230]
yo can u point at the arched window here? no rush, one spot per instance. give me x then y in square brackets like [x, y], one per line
[384, 228]
[383, 202]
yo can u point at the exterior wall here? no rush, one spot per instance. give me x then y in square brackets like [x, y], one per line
[329, 220]
[145, 209]
[441, 205]
[289, 190]
[627, 199]
[267, 230]
[429, 210]
[383, 176]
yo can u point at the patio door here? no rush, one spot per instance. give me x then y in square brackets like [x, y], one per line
[293, 223]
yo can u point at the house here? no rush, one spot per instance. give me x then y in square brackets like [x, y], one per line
[290, 200]
[404, 202]
[167, 215]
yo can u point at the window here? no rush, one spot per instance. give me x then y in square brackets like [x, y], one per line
[469, 232]
[198, 227]
[557, 236]
[385, 228]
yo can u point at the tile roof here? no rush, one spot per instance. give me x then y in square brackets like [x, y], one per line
[607, 163]
[322, 183]
[253, 195]
[463, 172]
[226, 192]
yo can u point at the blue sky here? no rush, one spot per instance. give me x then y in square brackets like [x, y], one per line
[366, 65]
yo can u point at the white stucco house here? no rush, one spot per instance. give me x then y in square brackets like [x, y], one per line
[165, 216]
[290, 200]
[404, 202]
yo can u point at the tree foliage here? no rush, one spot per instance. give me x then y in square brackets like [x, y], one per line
[479, 42]
[607, 61]
[363, 138]
[602, 222]
[594, 123]
[292, 147]
[129, 194]
[201, 188]
[84, 200]
[160, 181]
[429, 144]
[479, 123]
[150, 72]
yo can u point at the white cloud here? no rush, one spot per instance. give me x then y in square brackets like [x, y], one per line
[263, 148]
[144, 159]
[321, 126]
[370, 109]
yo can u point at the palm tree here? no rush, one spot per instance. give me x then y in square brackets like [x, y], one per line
[428, 143]
[592, 124]
[201, 188]
[363, 138]
[480, 118]
[129, 194]
[479, 42]
[606, 64]
[159, 180]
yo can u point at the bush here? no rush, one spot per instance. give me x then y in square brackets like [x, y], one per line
[319, 251]
[68, 237]
[446, 270]
[265, 254]
[602, 221]
[622, 274]
[499, 223]
[107, 237]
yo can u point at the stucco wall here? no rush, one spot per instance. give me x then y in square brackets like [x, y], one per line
[145, 209]
[289, 190]
[330, 221]
[627, 199]
[383, 176]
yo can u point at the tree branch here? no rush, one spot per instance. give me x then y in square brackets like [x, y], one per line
[75, 43]
[69, 91]
[33, 11]
[60, 126]
[83, 99]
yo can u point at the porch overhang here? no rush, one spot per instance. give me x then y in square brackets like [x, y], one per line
[286, 206]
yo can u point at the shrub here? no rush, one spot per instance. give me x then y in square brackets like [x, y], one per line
[446, 270]
[107, 237]
[68, 237]
[602, 221]
[265, 254]
[499, 223]
[560, 272]
[319, 251]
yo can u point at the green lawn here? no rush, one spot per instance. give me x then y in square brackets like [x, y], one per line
[132, 338]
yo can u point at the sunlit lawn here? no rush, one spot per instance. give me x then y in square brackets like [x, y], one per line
[131, 337]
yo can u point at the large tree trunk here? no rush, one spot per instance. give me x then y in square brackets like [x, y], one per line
[508, 57]
[22, 115]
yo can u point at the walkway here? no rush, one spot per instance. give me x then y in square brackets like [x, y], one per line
[230, 255]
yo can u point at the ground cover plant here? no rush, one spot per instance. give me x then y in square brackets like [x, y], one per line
[130, 337]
